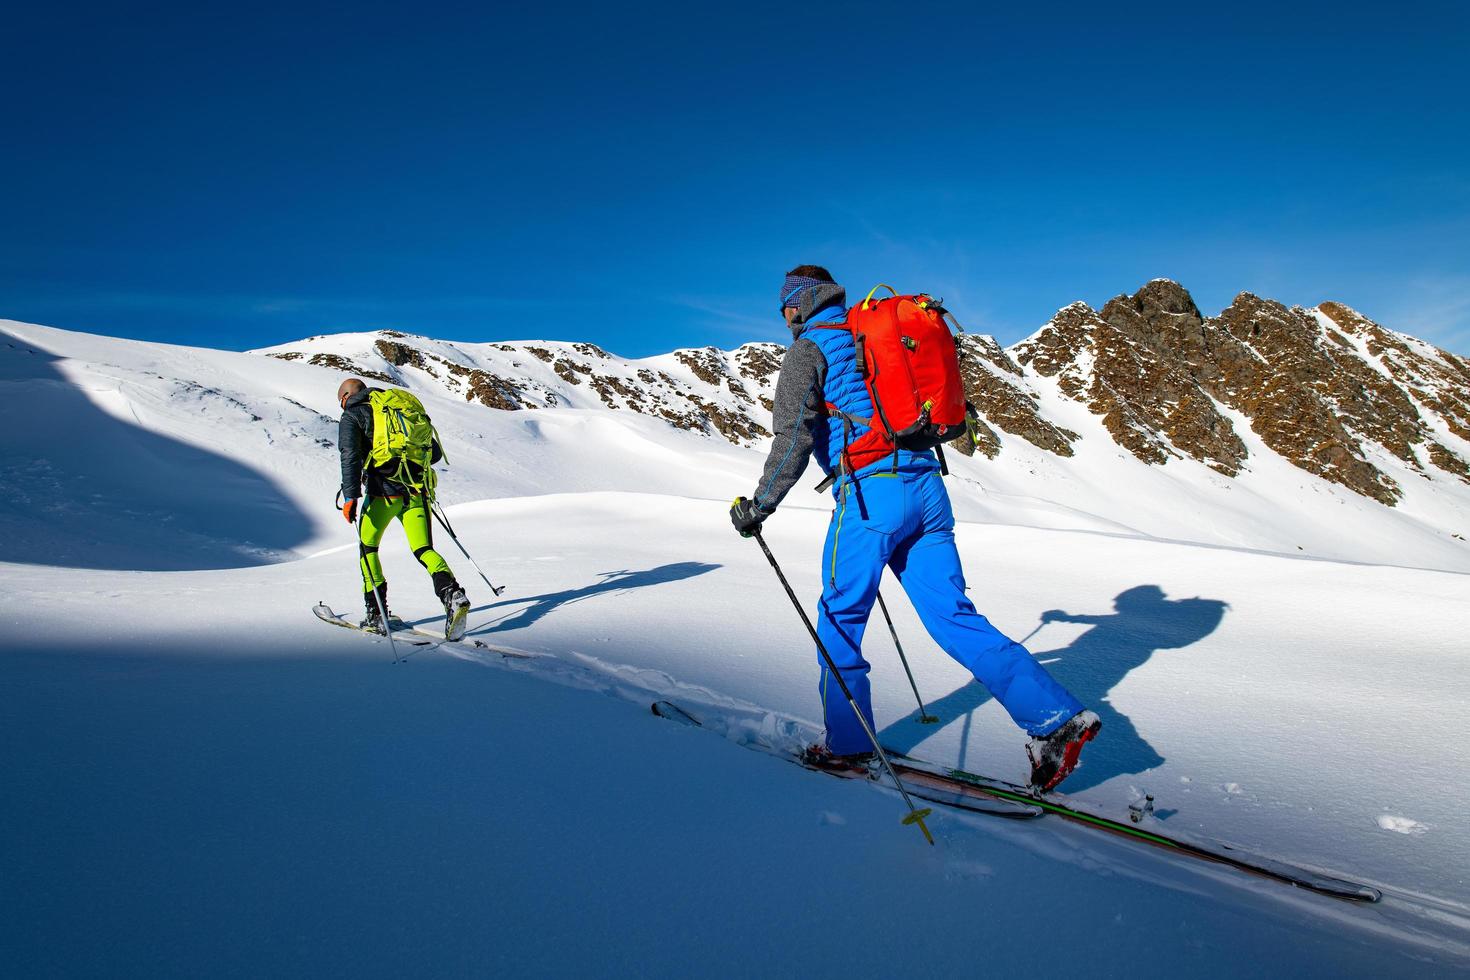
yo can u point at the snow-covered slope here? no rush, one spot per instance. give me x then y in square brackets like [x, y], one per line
[153, 456]
[1054, 453]
[211, 781]
[527, 417]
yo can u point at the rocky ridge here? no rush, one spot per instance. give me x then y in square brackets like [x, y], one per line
[720, 394]
[1327, 389]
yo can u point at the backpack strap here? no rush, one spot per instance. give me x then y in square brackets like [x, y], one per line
[848, 418]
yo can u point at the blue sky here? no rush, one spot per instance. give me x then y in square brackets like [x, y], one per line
[240, 177]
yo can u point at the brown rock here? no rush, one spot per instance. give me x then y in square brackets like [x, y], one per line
[1120, 364]
[400, 354]
[760, 361]
[339, 363]
[706, 364]
[493, 391]
[567, 370]
[1448, 461]
[1002, 403]
[1302, 396]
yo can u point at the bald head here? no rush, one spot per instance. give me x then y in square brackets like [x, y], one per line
[347, 389]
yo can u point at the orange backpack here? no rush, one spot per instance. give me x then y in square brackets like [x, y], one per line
[907, 357]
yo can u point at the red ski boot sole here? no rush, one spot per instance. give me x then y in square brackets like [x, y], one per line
[1070, 756]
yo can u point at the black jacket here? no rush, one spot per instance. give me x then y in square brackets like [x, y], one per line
[355, 441]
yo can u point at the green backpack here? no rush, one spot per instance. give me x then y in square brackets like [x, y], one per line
[403, 433]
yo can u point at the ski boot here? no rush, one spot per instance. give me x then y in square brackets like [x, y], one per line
[376, 603]
[818, 756]
[372, 623]
[1054, 756]
[456, 611]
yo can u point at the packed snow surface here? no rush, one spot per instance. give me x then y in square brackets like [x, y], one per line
[201, 778]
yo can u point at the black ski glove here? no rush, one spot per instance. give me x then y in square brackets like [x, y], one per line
[747, 516]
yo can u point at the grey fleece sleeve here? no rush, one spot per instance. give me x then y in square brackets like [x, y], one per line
[350, 445]
[795, 417]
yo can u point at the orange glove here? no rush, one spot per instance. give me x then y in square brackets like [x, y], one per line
[349, 511]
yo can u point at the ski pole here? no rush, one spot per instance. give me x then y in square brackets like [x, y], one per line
[916, 815]
[925, 718]
[367, 580]
[444, 523]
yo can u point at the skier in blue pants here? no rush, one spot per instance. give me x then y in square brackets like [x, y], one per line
[892, 513]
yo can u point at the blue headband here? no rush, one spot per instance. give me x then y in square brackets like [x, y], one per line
[793, 287]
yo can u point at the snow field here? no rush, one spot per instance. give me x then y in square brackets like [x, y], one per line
[201, 777]
[210, 732]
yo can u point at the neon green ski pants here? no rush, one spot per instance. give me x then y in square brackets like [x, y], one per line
[414, 517]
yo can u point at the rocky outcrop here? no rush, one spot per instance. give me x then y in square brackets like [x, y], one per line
[706, 364]
[1435, 379]
[493, 391]
[1117, 363]
[337, 363]
[760, 362]
[994, 386]
[1326, 390]
[399, 354]
[1310, 399]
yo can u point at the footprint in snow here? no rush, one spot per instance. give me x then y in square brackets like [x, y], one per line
[1401, 825]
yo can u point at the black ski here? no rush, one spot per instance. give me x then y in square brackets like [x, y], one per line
[1217, 852]
[965, 790]
[920, 785]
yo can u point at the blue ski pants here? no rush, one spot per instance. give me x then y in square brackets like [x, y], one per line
[904, 521]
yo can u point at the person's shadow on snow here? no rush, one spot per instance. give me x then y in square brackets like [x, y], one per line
[619, 581]
[1144, 621]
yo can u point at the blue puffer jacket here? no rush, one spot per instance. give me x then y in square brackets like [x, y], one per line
[843, 387]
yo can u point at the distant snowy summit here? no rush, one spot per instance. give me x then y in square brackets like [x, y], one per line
[721, 393]
[1327, 389]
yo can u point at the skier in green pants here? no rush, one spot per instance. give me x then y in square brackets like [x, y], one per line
[386, 442]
